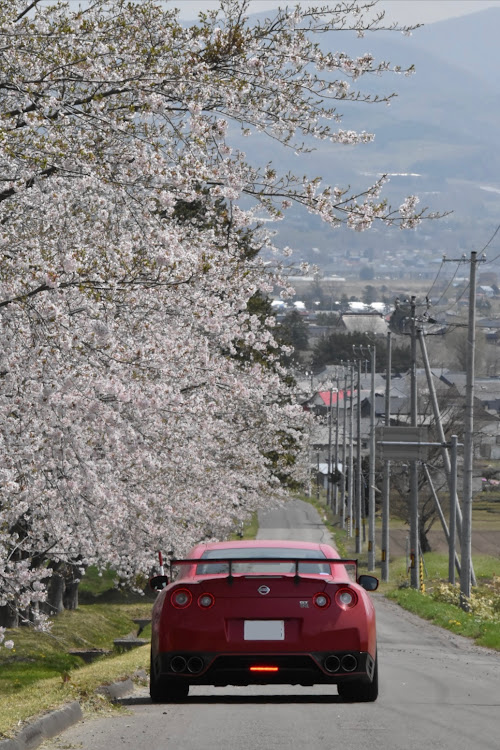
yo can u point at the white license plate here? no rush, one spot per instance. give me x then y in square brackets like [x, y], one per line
[264, 630]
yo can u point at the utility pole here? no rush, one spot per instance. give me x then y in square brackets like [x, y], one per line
[466, 562]
[337, 414]
[386, 486]
[371, 487]
[350, 484]
[447, 463]
[441, 514]
[329, 484]
[344, 452]
[453, 511]
[359, 469]
[317, 478]
[414, 538]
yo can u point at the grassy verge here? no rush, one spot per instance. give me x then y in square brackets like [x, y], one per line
[41, 674]
[247, 530]
[40, 696]
[440, 601]
[484, 630]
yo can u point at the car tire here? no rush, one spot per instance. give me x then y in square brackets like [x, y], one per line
[163, 690]
[360, 691]
[168, 691]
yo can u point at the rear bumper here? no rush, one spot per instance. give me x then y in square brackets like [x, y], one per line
[330, 667]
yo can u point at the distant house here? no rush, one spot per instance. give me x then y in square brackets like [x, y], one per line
[489, 441]
[373, 323]
[400, 407]
[488, 324]
[486, 410]
[322, 473]
[319, 402]
[317, 332]
[486, 291]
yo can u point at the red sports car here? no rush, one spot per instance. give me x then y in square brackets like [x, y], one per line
[263, 612]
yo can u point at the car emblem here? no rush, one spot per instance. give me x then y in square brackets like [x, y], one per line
[263, 590]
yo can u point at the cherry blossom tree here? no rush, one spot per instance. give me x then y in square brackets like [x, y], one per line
[130, 421]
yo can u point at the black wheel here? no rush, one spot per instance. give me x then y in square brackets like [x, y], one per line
[155, 689]
[360, 691]
[167, 691]
[164, 690]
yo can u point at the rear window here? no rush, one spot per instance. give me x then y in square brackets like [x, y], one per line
[266, 566]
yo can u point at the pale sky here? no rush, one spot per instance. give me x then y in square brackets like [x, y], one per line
[404, 11]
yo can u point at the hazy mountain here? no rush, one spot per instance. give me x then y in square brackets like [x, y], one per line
[439, 138]
[471, 41]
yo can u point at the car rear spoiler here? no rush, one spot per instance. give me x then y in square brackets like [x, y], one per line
[295, 560]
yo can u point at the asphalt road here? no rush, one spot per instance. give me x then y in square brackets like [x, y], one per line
[436, 691]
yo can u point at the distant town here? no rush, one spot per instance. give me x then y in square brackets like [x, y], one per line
[334, 333]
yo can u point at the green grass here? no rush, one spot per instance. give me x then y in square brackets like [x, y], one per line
[247, 530]
[37, 656]
[48, 693]
[95, 583]
[448, 616]
[40, 674]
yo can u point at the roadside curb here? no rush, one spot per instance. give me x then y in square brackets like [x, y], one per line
[44, 728]
[55, 722]
[117, 689]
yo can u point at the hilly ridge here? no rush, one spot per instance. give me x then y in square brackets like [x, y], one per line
[440, 134]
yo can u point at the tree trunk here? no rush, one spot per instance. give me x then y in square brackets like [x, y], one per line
[55, 590]
[9, 618]
[70, 598]
[72, 582]
[425, 545]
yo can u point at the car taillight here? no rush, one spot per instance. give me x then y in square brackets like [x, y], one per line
[321, 600]
[346, 598]
[206, 601]
[181, 598]
[264, 669]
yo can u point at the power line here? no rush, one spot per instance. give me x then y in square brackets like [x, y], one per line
[428, 295]
[489, 243]
[464, 291]
[449, 283]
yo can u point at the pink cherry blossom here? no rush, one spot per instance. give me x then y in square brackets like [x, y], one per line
[142, 405]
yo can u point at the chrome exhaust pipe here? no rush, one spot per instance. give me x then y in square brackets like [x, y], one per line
[349, 663]
[195, 664]
[332, 663]
[178, 664]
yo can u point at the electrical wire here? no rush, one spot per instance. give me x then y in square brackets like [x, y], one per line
[448, 285]
[428, 295]
[489, 243]
[466, 288]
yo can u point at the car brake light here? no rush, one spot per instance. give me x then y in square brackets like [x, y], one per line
[181, 598]
[346, 598]
[263, 669]
[321, 600]
[206, 601]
